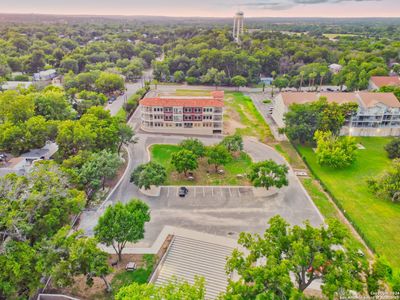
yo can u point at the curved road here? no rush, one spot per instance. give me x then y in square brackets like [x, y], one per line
[224, 211]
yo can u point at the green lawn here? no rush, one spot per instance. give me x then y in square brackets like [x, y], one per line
[196, 93]
[239, 165]
[240, 110]
[336, 35]
[378, 220]
[141, 275]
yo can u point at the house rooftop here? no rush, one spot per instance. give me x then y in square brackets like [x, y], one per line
[381, 81]
[365, 99]
[47, 151]
[371, 99]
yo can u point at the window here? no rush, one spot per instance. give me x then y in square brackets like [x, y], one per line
[207, 109]
[197, 109]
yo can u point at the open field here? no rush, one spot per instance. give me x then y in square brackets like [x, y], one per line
[196, 93]
[205, 174]
[336, 35]
[242, 117]
[377, 220]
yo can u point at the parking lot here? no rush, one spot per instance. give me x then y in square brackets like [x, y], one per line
[207, 195]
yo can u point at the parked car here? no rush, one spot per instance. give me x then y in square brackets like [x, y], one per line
[183, 191]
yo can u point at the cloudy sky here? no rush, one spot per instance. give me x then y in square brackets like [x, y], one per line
[209, 8]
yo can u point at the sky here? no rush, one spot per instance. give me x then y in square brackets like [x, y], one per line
[209, 8]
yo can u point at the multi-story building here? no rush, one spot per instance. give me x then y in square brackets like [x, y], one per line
[194, 115]
[378, 114]
[376, 82]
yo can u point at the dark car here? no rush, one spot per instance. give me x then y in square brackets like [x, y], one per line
[183, 191]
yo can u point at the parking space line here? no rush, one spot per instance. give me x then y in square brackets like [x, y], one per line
[212, 191]
[230, 192]
[204, 194]
[221, 192]
[239, 194]
[195, 191]
[168, 191]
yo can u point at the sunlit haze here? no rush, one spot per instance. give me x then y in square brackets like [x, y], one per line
[210, 8]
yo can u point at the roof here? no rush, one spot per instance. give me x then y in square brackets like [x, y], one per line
[47, 72]
[366, 99]
[190, 257]
[371, 99]
[298, 97]
[381, 81]
[185, 102]
[47, 151]
[12, 85]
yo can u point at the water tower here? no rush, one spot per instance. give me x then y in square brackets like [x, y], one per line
[238, 26]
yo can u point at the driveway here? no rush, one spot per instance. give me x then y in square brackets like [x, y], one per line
[224, 211]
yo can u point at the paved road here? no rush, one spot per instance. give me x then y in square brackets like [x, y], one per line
[131, 89]
[214, 210]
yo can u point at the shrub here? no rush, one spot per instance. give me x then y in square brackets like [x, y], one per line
[333, 151]
[393, 148]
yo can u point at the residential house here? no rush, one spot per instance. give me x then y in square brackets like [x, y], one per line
[378, 114]
[45, 75]
[13, 85]
[376, 82]
[335, 68]
[22, 164]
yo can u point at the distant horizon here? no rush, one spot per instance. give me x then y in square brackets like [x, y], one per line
[211, 8]
[194, 16]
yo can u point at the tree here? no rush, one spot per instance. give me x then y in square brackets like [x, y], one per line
[387, 186]
[37, 205]
[393, 148]
[333, 151]
[122, 223]
[172, 290]
[268, 174]
[69, 255]
[233, 143]
[184, 160]
[100, 167]
[281, 83]
[238, 81]
[21, 270]
[108, 82]
[309, 253]
[179, 76]
[194, 145]
[69, 64]
[126, 135]
[218, 155]
[53, 105]
[303, 120]
[13, 138]
[149, 174]
[213, 76]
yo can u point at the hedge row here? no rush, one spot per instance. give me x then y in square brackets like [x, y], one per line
[133, 101]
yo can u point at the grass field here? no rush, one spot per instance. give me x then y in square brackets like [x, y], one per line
[242, 117]
[205, 174]
[336, 35]
[377, 219]
[196, 93]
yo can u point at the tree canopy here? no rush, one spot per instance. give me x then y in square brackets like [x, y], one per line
[310, 253]
[122, 223]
